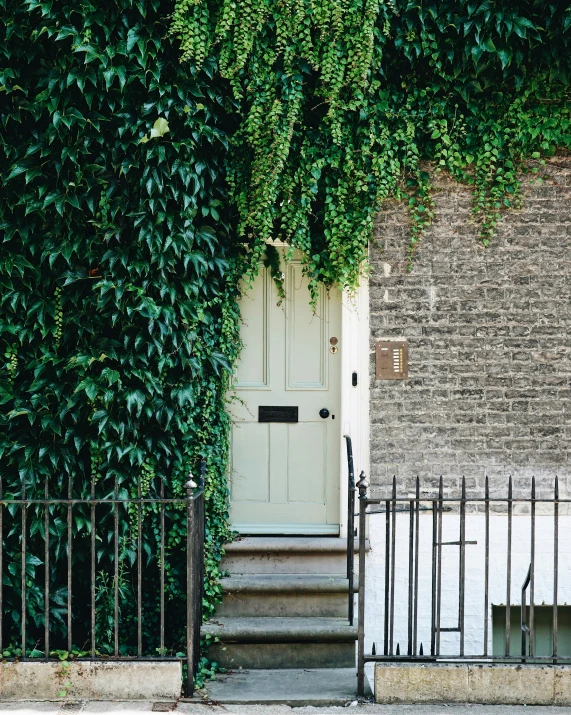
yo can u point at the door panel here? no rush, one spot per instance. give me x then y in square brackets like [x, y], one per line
[307, 455]
[251, 455]
[306, 334]
[254, 371]
[284, 477]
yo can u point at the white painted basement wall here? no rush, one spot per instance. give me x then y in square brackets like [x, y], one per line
[475, 565]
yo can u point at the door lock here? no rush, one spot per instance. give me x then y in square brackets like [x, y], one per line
[324, 413]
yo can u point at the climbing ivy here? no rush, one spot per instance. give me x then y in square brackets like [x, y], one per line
[136, 191]
[118, 287]
[345, 103]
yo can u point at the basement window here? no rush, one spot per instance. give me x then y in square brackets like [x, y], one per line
[543, 630]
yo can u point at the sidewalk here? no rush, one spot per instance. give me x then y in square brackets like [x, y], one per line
[135, 708]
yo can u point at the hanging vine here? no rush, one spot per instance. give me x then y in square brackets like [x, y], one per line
[345, 103]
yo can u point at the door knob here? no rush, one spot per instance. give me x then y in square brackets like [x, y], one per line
[324, 413]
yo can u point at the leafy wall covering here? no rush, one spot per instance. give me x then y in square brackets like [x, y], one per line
[118, 318]
[341, 103]
[150, 148]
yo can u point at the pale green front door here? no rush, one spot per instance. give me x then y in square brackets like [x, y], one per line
[284, 476]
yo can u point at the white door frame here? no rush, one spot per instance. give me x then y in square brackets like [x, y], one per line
[355, 355]
[355, 351]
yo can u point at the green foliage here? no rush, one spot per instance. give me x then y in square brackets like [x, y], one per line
[345, 103]
[118, 280]
[122, 172]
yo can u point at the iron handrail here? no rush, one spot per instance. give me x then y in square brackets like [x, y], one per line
[350, 528]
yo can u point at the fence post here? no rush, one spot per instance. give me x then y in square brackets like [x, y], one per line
[191, 575]
[362, 486]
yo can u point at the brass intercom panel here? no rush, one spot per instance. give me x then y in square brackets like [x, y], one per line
[392, 359]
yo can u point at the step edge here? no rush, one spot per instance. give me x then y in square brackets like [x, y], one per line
[285, 583]
[231, 630]
[279, 638]
[295, 545]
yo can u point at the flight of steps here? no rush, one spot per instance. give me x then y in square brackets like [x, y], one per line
[285, 605]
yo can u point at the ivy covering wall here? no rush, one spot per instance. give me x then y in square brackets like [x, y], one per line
[149, 150]
[342, 103]
[118, 283]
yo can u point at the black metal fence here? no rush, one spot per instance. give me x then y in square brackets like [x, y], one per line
[456, 567]
[102, 576]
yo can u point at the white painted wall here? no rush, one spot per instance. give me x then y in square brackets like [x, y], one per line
[354, 399]
[475, 565]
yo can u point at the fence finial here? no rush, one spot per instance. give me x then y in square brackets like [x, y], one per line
[362, 485]
[191, 484]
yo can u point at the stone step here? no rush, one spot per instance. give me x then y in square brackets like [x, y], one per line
[285, 595]
[282, 630]
[282, 642]
[283, 656]
[296, 688]
[287, 554]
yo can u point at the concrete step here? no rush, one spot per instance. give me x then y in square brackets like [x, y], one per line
[282, 642]
[296, 688]
[283, 656]
[282, 630]
[287, 554]
[285, 595]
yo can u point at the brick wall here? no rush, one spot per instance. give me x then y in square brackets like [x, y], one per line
[489, 330]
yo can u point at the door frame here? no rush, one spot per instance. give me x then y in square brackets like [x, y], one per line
[355, 357]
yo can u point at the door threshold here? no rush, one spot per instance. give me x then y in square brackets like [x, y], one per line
[287, 529]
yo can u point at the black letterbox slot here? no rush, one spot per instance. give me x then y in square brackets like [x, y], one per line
[277, 414]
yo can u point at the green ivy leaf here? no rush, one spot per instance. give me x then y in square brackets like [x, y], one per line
[160, 128]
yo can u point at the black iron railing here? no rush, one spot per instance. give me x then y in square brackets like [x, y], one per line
[437, 598]
[91, 575]
[350, 529]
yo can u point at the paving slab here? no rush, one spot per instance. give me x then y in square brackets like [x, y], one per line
[375, 710]
[316, 687]
[199, 707]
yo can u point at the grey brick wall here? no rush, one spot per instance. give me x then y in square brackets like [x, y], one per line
[489, 330]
